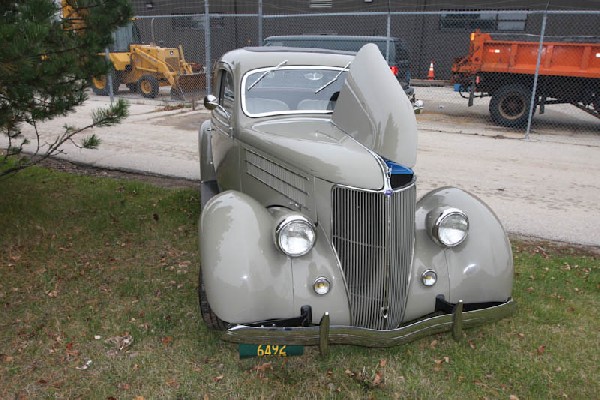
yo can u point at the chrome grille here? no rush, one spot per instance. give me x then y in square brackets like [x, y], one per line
[373, 234]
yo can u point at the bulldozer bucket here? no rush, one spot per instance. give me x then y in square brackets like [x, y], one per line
[189, 86]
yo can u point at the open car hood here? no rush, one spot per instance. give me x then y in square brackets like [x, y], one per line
[374, 110]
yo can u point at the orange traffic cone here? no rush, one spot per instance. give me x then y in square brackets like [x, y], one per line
[431, 73]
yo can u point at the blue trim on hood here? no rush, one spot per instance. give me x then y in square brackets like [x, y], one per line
[397, 169]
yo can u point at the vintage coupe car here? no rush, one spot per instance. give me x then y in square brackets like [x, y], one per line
[311, 232]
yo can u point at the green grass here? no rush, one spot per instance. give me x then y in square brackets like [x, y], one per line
[87, 262]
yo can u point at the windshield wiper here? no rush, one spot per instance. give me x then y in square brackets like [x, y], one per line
[334, 78]
[260, 78]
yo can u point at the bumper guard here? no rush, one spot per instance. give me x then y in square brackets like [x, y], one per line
[325, 334]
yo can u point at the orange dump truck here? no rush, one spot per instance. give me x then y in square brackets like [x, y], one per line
[503, 66]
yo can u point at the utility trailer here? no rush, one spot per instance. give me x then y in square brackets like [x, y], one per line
[503, 66]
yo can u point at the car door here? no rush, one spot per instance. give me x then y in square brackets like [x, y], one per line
[224, 149]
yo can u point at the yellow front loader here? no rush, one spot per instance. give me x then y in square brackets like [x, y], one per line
[142, 68]
[145, 68]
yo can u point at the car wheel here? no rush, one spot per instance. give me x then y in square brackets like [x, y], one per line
[100, 84]
[510, 105]
[148, 86]
[209, 317]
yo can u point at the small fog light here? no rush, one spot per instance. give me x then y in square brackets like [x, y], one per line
[321, 285]
[429, 277]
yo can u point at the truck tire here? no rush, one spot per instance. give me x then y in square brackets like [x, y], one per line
[100, 84]
[209, 317]
[148, 86]
[510, 105]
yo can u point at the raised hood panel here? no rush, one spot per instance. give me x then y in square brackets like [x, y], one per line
[373, 109]
[317, 147]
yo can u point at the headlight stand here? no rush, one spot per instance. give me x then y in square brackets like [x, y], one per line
[457, 321]
[324, 334]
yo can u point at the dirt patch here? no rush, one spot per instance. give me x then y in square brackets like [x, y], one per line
[548, 248]
[81, 169]
[184, 119]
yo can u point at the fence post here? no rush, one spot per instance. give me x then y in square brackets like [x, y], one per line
[109, 76]
[207, 67]
[152, 31]
[535, 77]
[388, 33]
[260, 22]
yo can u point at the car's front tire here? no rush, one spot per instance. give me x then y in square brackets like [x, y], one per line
[209, 317]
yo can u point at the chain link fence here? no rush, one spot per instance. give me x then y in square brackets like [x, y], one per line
[501, 79]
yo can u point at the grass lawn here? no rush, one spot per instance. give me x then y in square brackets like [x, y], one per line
[98, 300]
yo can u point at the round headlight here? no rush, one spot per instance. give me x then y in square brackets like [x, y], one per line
[451, 227]
[295, 235]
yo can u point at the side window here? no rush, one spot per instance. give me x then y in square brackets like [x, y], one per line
[226, 91]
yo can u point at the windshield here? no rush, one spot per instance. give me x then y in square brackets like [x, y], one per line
[291, 90]
[124, 36]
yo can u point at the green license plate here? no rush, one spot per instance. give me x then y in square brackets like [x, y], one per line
[269, 350]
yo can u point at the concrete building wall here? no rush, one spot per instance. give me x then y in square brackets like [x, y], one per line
[148, 7]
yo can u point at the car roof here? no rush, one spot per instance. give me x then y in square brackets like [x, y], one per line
[337, 38]
[249, 58]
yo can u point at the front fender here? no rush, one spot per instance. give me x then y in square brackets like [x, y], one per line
[479, 270]
[246, 277]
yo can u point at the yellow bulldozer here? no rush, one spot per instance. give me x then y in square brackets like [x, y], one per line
[144, 68]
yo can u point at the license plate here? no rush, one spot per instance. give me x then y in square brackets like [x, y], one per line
[269, 350]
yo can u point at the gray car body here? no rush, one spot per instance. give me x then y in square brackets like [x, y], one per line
[262, 168]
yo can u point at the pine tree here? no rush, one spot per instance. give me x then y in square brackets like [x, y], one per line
[47, 57]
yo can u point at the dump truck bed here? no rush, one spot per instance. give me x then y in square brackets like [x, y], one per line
[577, 56]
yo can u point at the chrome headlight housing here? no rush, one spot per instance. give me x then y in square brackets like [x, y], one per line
[295, 235]
[449, 227]
[321, 285]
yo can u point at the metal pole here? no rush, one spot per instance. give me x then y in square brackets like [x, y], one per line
[389, 33]
[207, 68]
[535, 77]
[260, 22]
[152, 31]
[109, 76]
[235, 24]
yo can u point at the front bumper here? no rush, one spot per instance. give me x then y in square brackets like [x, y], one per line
[324, 334]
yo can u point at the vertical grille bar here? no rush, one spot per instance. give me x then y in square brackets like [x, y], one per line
[373, 235]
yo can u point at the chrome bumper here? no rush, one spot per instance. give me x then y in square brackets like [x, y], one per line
[324, 334]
